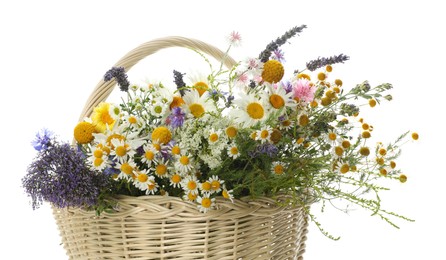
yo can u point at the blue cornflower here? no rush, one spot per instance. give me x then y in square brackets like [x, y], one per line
[176, 118]
[269, 149]
[42, 140]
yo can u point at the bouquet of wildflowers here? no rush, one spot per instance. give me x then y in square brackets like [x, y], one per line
[240, 132]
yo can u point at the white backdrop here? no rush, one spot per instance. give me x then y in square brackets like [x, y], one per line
[52, 54]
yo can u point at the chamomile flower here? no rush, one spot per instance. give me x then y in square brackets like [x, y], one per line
[216, 183]
[122, 149]
[278, 168]
[197, 106]
[227, 194]
[98, 158]
[114, 111]
[184, 162]
[206, 186]
[264, 134]
[152, 186]
[149, 155]
[278, 98]
[175, 180]
[190, 196]
[233, 151]
[199, 82]
[342, 167]
[214, 136]
[190, 184]
[126, 169]
[161, 168]
[250, 110]
[205, 203]
[133, 122]
[331, 137]
[158, 109]
[142, 179]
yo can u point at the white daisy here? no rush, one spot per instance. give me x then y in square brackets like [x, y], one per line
[227, 194]
[205, 203]
[175, 179]
[149, 154]
[158, 109]
[190, 184]
[196, 105]
[184, 162]
[233, 151]
[161, 168]
[264, 134]
[122, 150]
[250, 110]
[277, 97]
[278, 168]
[216, 183]
[142, 179]
[126, 169]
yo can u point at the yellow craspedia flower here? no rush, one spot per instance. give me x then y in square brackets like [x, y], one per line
[321, 76]
[273, 71]
[162, 135]
[101, 117]
[338, 82]
[83, 132]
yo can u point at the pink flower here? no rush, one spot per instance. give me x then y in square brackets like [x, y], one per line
[235, 38]
[303, 90]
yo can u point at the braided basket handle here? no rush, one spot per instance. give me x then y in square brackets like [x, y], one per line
[103, 89]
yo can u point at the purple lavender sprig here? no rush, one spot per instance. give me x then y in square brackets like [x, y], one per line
[121, 77]
[59, 175]
[178, 80]
[321, 62]
[274, 45]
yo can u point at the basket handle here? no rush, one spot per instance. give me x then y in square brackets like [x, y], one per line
[103, 89]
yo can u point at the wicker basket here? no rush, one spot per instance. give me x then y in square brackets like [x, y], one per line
[162, 227]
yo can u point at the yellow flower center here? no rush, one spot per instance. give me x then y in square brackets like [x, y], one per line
[264, 134]
[151, 186]
[162, 135]
[231, 131]
[403, 178]
[157, 146]
[344, 168]
[276, 101]
[127, 168]
[133, 120]
[149, 155]
[383, 171]
[225, 194]
[380, 161]
[300, 140]
[215, 185]
[196, 110]
[234, 150]
[121, 151]
[201, 87]
[83, 132]
[176, 178]
[286, 123]
[338, 82]
[158, 109]
[415, 136]
[213, 137]
[98, 153]
[206, 186]
[303, 76]
[392, 164]
[176, 150]
[98, 161]
[303, 120]
[255, 110]
[345, 144]
[364, 151]
[332, 136]
[192, 185]
[192, 196]
[372, 102]
[276, 136]
[338, 150]
[382, 151]
[184, 160]
[321, 76]
[161, 169]
[206, 202]
[176, 102]
[278, 169]
[253, 135]
[273, 71]
[366, 134]
[143, 177]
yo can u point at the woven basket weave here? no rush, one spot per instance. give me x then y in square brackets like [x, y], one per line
[162, 227]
